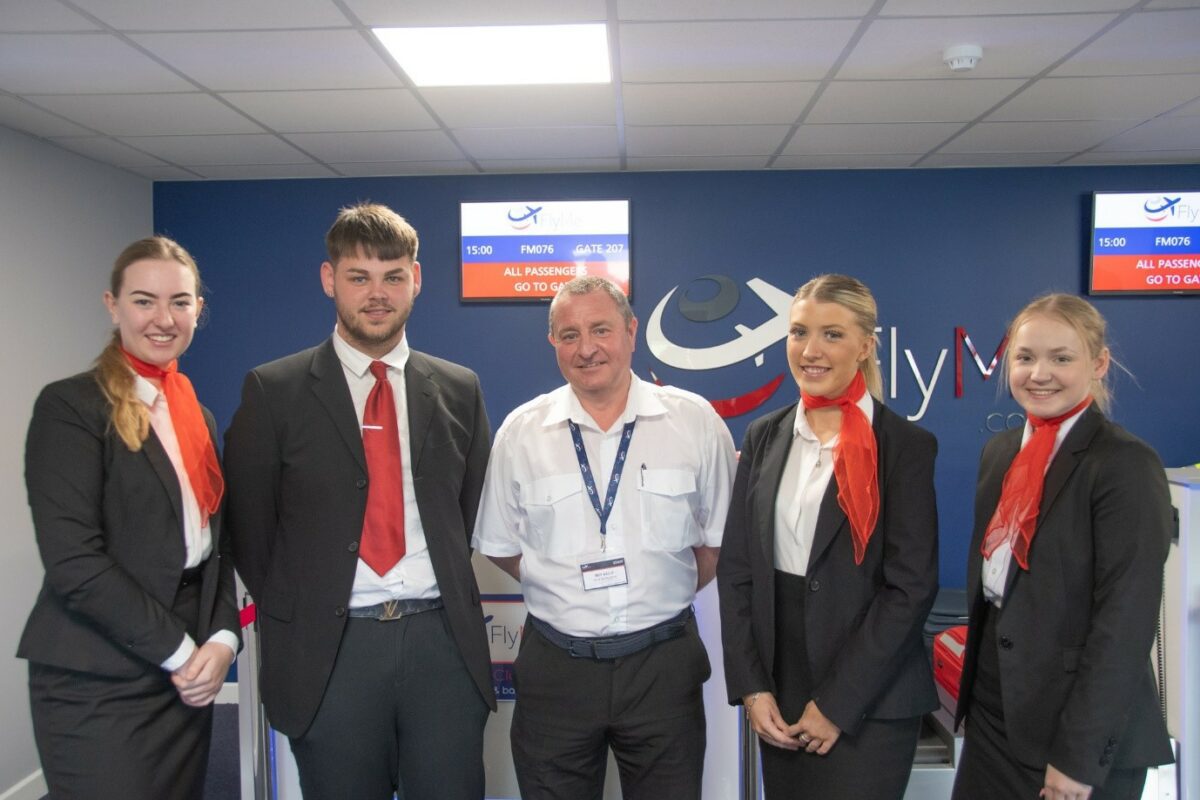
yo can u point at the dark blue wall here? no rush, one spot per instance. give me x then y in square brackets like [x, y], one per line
[939, 248]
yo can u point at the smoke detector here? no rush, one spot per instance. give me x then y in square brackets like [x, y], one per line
[962, 57]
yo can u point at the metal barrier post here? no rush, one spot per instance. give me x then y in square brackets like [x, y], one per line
[749, 787]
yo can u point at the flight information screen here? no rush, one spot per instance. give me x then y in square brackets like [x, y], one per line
[1145, 243]
[527, 249]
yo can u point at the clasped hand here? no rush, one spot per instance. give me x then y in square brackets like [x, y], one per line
[814, 732]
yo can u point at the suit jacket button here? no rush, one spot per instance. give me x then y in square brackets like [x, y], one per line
[340, 611]
[353, 547]
[361, 483]
[1006, 643]
[814, 585]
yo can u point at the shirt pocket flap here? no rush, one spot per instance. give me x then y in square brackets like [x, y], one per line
[551, 490]
[668, 482]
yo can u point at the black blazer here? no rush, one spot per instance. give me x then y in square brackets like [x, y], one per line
[863, 622]
[1075, 632]
[109, 526]
[297, 496]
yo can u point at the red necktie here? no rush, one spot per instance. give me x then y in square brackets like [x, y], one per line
[383, 526]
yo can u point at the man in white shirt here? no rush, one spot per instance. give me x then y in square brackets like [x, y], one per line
[354, 470]
[606, 498]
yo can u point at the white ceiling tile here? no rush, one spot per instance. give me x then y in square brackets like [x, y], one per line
[1035, 137]
[389, 13]
[107, 150]
[1013, 47]
[228, 61]
[177, 15]
[334, 110]
[705, 140]
[1147, 43]
[911, 137]
[1164, 133]
[1146, 157]
[1189, 110]
[1136, 97]
[79, 63]
[165, 172]
[522, 106]
[952, 100]
[715, 103]
[378, 146]
[1157, 4]
[695, 163]
[387, 168]
[846, 161]
[148, 114]
[40, 15]
[689, 52]
[994, 159]
[940, 8]
[241, 148]
[744, 9]
[500, 165]
[521, 143]
[247, 172]
[24, 117]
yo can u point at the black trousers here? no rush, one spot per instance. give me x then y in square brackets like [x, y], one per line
[647, 707]
[873, 764]
[105, 738]
[987, 769]
[400, 715]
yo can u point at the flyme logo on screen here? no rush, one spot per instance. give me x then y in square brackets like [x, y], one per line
[753, 342]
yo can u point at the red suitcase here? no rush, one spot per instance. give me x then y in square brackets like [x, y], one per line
[948, 649]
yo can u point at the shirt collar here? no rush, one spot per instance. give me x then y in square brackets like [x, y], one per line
[146, 391]
[359, 362]
[642, 401]
[801, 426]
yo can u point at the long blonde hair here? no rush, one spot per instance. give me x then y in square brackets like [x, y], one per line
[853, 295]
[1082, 317]
[127, 414]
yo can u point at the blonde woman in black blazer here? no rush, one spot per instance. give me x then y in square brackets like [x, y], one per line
[1057, 689]
[136, 623]
[821, 629]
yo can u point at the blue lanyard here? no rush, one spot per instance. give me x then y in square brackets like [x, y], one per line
[589, 482]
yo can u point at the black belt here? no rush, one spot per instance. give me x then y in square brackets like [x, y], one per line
[609, 647]
[190, 576]
[395, 609]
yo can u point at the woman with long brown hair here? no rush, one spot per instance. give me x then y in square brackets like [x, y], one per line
[136, 623]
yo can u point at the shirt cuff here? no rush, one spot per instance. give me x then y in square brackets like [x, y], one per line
[227, 638]
[181, 654]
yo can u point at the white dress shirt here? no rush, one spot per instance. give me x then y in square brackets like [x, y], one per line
[673, 496]
[806, 476]
[197, 537]
[412, 577]
[996, 566]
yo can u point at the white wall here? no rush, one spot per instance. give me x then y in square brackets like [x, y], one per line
[63, 219]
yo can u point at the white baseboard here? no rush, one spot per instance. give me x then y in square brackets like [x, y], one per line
[31, 788]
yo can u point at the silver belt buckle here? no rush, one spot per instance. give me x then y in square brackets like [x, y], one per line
[391, 611]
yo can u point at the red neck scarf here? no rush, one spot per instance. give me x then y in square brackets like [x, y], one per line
[855, 460]
[195, 445]
[1016, 514]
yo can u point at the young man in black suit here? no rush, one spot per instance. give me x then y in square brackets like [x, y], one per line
[354, 472]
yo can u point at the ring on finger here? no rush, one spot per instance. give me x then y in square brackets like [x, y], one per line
[804, 737]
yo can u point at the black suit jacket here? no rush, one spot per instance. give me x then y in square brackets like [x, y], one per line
[297, 495]
[1075, 632]
[109, 526]
[863, 622]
